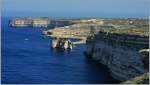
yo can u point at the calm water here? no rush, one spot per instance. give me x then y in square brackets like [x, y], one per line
[27, 58]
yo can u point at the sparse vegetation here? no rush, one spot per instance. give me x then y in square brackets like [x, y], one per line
[143, 79]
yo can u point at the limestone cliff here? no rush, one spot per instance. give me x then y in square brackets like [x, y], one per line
[119, 52]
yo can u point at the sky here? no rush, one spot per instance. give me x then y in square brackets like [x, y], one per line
[76, 8]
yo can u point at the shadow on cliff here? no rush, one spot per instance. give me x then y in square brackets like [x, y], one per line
[103, 71]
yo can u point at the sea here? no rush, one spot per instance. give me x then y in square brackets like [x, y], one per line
[27, 58]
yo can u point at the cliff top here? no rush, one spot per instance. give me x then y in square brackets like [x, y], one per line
[119, 26]
[130, 31]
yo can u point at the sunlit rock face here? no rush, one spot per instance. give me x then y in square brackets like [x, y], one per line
[26, 22]
[120, 53]
[61, 43]
[145, 57]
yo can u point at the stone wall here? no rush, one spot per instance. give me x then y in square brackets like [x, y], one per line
[119, 52]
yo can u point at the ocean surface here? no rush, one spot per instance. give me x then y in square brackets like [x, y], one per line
[28, 59]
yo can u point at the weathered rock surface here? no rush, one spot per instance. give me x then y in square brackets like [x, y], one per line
[119, 52]
[61, 43]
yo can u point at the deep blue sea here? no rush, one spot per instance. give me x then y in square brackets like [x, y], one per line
[28, 58]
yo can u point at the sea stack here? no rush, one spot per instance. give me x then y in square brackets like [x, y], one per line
[61, 43]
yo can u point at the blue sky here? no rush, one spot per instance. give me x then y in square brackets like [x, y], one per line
[76, 8]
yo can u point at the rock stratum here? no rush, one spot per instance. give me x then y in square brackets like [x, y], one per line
[121, 53]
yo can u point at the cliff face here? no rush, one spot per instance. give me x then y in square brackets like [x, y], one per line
[119, 52]
[38, 22]
[27, 22]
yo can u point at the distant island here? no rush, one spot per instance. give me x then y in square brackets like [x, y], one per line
[43, 22]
